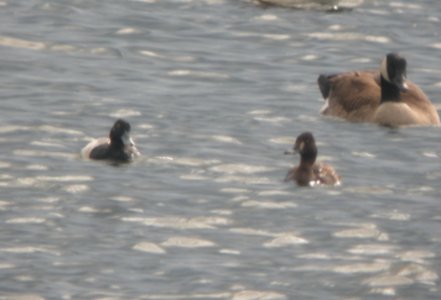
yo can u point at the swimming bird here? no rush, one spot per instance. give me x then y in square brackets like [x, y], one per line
[118, 147]
[308, 172]
[328, 5]
[384, 97]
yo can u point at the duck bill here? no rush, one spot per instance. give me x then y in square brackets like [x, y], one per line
[290, 152]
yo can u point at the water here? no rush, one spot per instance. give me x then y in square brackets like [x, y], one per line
[216, 91]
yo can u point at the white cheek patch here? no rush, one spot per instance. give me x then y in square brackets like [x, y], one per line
[383, 70]
[301, 146]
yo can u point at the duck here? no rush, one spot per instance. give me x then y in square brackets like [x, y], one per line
[384, 97]
[308, 172]
[118, 147]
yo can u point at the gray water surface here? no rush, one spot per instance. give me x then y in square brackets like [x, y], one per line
[215, 91]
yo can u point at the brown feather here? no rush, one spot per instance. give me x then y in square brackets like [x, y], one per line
[319, 173]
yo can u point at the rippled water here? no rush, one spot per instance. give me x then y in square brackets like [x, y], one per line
[216, 91]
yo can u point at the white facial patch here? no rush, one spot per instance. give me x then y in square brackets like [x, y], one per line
[383, 70]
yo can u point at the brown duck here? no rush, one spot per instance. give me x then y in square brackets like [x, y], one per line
[308, 172]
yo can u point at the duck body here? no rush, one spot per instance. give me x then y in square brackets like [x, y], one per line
[384, 97]
[308, 172]
[317, 174]
[118, 147]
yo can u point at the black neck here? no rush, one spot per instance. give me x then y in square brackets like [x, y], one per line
[116, 143]
[117, 150]
[389, 91]
[308, 158]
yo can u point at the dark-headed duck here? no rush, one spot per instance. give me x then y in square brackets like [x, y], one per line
[383, 97]
[118, 147]
[308, 172]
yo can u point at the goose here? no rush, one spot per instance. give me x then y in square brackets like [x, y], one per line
[385, 97]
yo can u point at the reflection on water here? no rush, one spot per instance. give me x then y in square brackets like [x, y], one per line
[214, 100]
